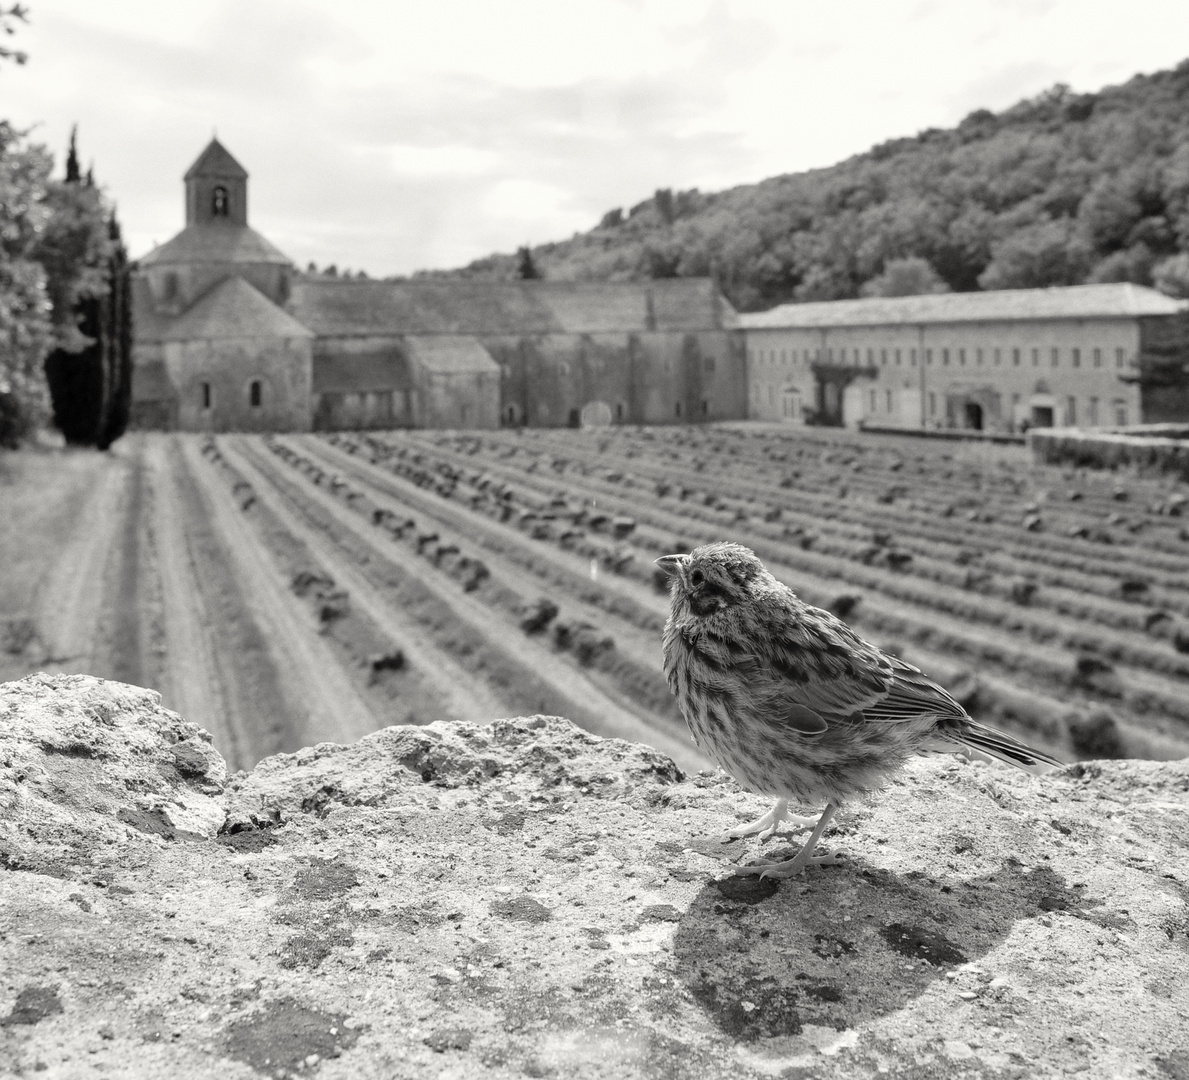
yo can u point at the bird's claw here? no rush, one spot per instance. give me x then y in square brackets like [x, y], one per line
[789, 868]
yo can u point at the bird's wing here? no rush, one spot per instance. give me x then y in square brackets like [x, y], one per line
[827, 671]
[821, 665]
[911, 695]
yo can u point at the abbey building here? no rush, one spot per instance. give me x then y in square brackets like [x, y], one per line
[229, 336]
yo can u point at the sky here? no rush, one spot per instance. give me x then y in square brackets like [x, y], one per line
[397, 135]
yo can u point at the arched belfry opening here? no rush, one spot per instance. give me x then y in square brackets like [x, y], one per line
[216, 188]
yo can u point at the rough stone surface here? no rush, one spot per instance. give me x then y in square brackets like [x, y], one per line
[524, 899]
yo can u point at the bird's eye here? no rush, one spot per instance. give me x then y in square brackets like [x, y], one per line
[697, 578]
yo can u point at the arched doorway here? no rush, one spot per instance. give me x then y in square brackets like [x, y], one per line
[974, 416]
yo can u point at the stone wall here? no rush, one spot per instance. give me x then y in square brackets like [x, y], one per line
[524, 899]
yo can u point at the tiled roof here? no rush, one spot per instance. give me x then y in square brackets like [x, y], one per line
[234, 309]
[449, 354]
[216, 242]
[346, 373]
[150, 382]
[1123, 300]
[215, 160]
[332, 306]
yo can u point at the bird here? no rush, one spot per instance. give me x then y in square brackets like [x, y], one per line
[792, 703]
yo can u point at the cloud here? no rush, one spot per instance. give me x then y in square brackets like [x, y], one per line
[400, 135]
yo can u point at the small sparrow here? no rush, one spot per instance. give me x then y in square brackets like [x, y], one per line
[793, 703]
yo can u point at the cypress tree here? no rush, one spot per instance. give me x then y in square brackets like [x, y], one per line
[526, 269]
[72, 171]
[119, 337]
[89, 373]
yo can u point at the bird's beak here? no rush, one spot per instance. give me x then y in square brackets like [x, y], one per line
[672, 564]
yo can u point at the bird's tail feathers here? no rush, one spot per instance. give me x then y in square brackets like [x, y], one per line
[1006, 748]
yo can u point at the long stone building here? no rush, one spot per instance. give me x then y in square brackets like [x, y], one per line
[230, 336]
[1085, 355]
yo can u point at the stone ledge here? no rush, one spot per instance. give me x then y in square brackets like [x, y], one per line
[522, 898]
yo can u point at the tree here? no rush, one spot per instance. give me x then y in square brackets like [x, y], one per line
[905, 277]
[87, 281]
[9, 17]
[1049, 252]
[73, 176]
[1171, 276]
[26, 329]
[526, 269]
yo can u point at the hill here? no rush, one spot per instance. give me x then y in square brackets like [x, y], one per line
[1059, 189]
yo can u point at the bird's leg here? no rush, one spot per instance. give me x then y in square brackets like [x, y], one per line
[766, 825]
[802, 859]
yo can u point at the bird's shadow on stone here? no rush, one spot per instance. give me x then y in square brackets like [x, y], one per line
[841, 945]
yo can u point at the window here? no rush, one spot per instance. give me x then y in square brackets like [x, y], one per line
[255, 393]
[677, 409]
[897, 357]
[1015, 357]
[708, 364]
[870, 356]
[171, 286]
[1071, 411]
[932, 403]
[619, 410]
[888, 398]
[206, 395]
[962, 357]
[873, 405]
[219, 207]
[978, 356]
[1118, 358]
[1035, 357]
[1098, 358]
[1094, 409]
[945, 356]
[705, 406]
[1075, 357]
[928, 356]
[1054, 355]
[883, 357]
[1121, 411]
[912, 357]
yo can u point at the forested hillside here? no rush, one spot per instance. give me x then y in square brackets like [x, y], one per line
[1060, 189]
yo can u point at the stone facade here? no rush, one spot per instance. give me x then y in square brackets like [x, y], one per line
[998, 361]
[228, 336]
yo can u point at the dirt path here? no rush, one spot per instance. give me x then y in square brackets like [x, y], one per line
[327, 708]
[69, 598]
[192, 683]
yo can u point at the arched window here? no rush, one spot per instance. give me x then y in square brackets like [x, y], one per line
[255, 393]
[219, 207]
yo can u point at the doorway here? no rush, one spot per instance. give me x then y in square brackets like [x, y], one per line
[1042, 416]
[974, 416]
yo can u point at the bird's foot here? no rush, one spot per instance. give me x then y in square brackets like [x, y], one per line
[767, 824]
[789, 867]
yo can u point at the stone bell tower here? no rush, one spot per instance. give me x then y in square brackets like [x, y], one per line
[216, 188]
